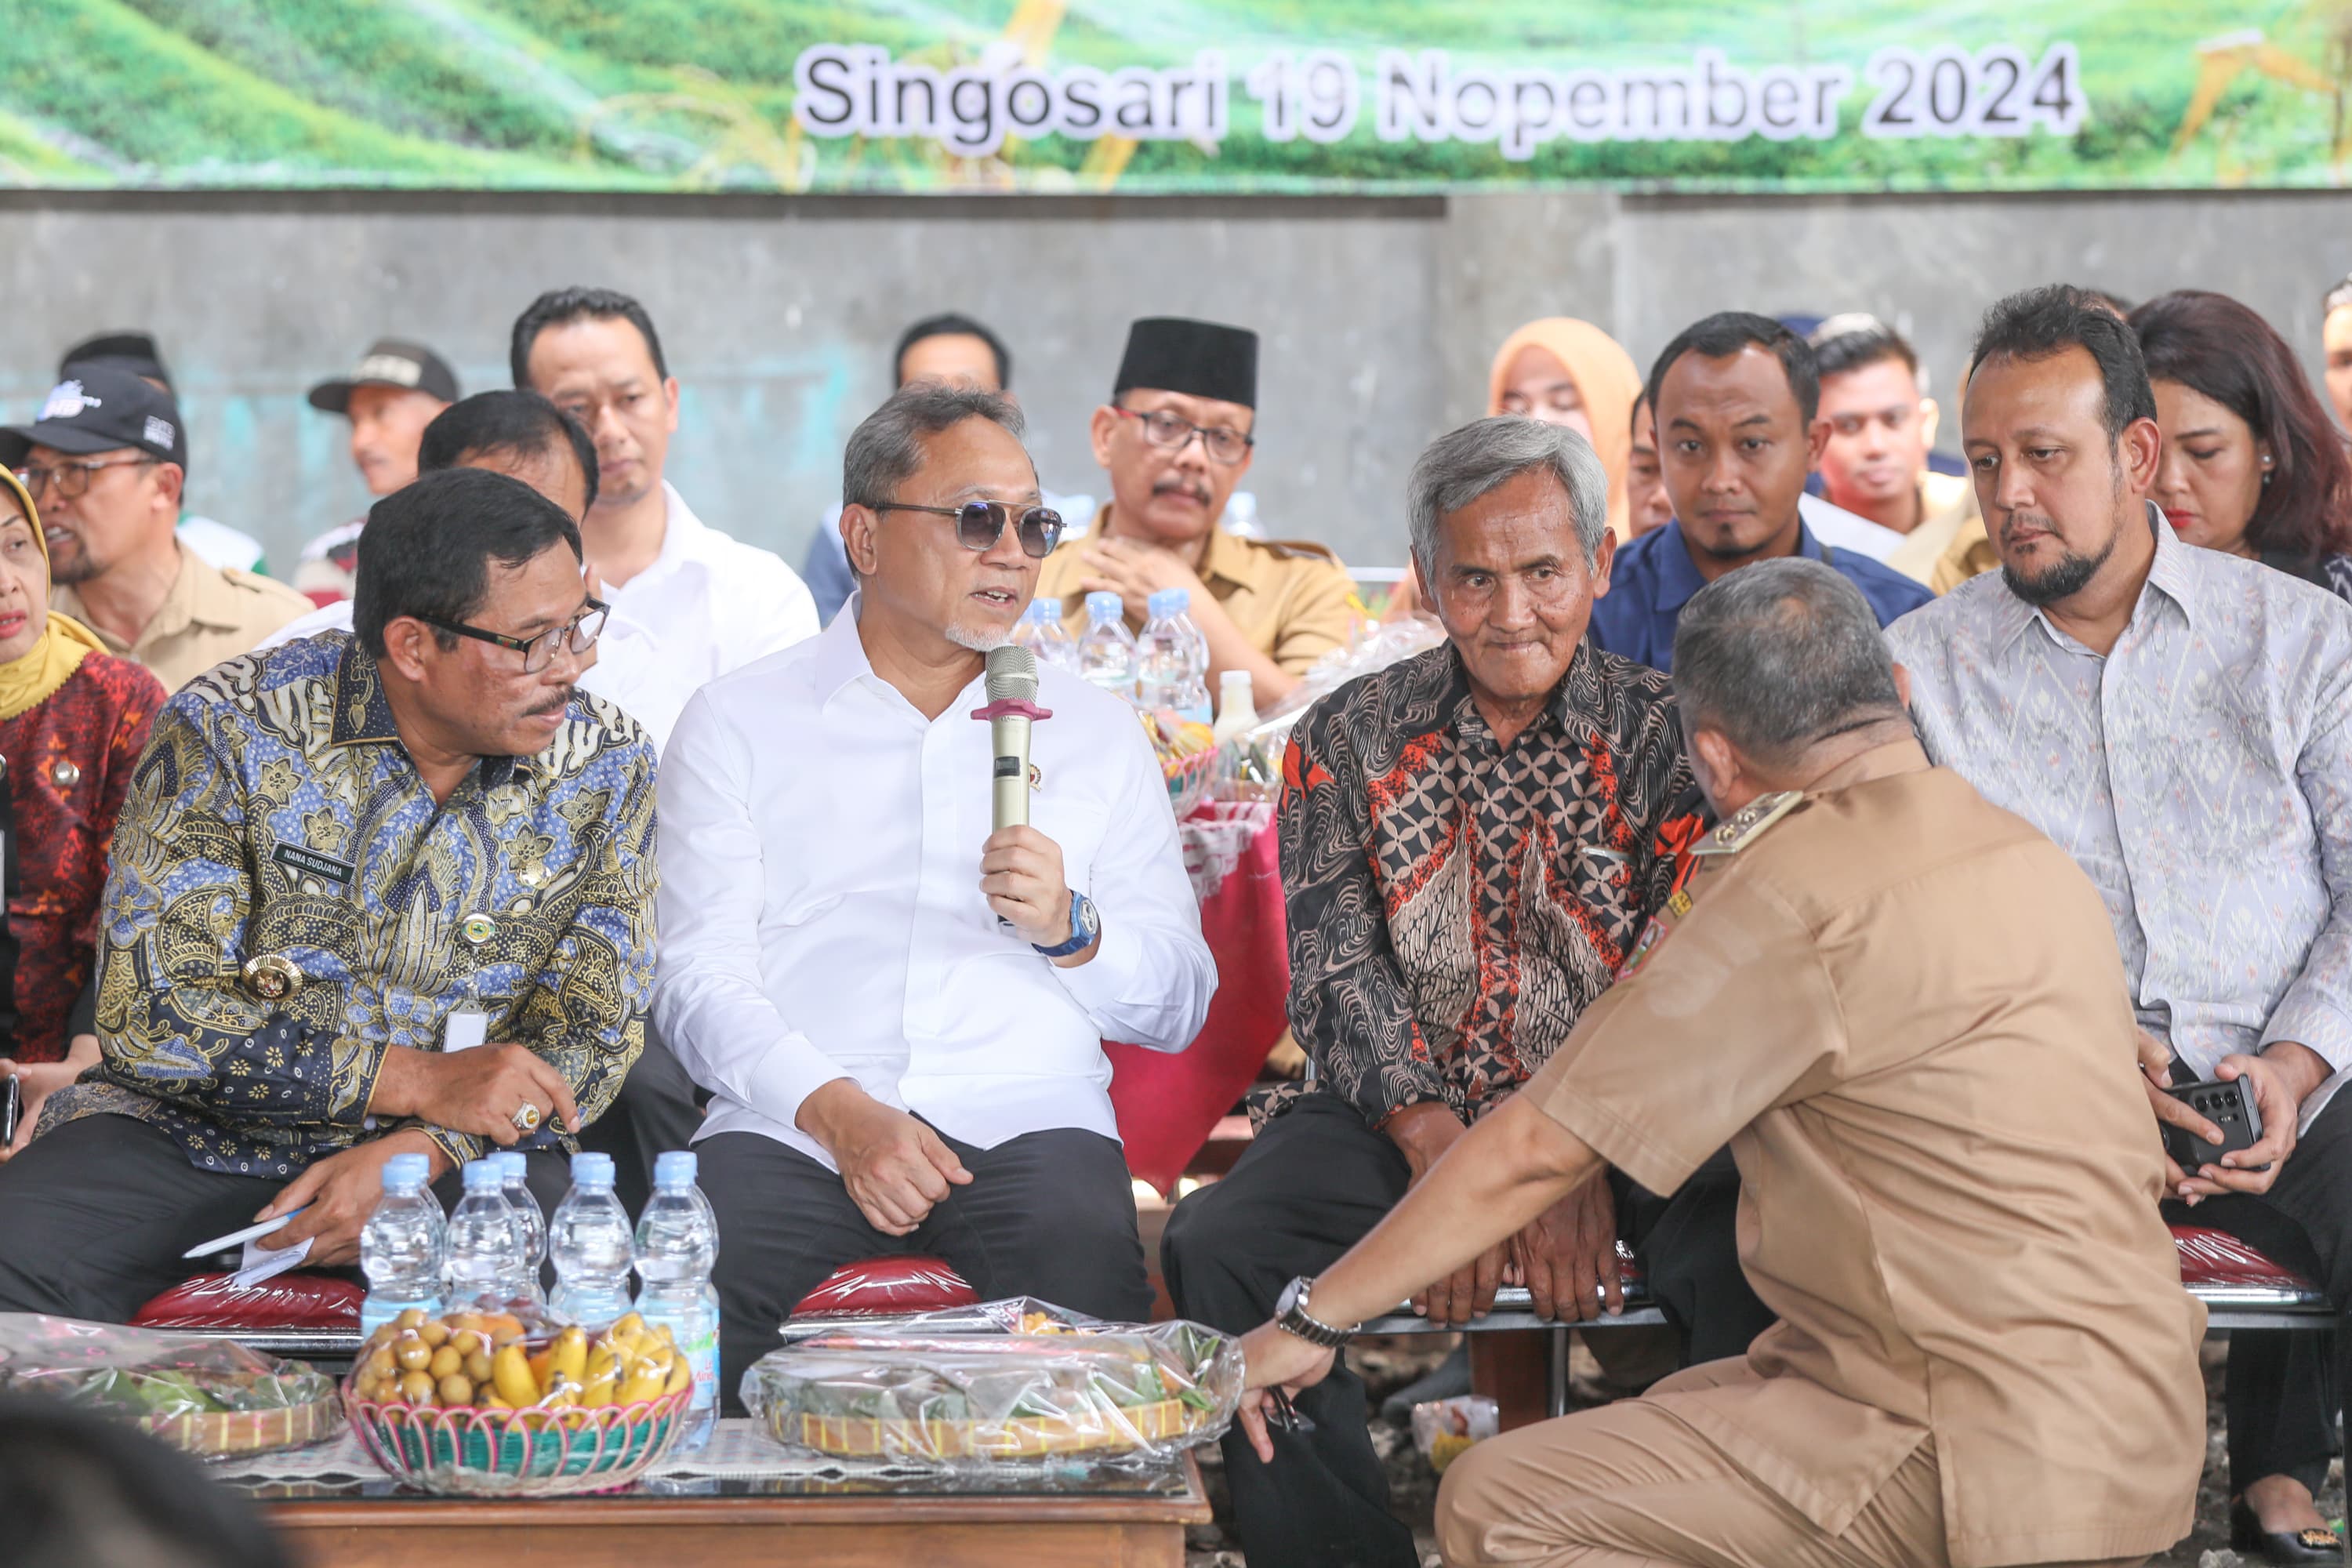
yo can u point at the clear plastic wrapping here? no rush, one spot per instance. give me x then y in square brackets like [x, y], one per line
[1002, 1383]
[212, 1398]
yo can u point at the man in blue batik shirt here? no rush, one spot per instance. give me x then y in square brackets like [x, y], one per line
[378, 893]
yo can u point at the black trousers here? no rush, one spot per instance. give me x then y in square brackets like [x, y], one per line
[95, 1214]
[2285, 1388]
[1308, 1188]
[1048, 1215]
[656, 1111]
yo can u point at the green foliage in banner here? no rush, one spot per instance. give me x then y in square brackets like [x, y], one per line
[699, 94]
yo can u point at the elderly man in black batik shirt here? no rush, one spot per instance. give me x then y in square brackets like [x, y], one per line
[1474, 843]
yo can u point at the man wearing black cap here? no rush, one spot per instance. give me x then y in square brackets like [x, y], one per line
[389, 397]
[1176, 436]
[215, 540]
[106, 462]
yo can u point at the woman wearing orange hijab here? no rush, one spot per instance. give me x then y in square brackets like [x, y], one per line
[1563, 371]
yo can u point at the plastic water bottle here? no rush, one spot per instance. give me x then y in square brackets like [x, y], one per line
[402, 1247]
[678, 1245]
[1107, 652]
[514, 1171]
[1236, 706]
[1042, 633]
[484, 1239]
[590, 1241]
[1241, 516]
[1161, 651]
[1174, 657]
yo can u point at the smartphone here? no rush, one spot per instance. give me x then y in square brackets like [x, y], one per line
[12, 1107]
[2228, 1105]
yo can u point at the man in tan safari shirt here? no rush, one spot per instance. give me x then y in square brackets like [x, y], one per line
[1904, 1009]
[1176, 436]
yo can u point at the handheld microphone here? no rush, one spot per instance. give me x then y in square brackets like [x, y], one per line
[1011, 708]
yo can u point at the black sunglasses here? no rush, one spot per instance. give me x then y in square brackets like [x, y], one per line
[981, 523]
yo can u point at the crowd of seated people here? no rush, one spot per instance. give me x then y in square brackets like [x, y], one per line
[540, 758]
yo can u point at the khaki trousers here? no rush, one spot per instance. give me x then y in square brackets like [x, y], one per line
[1628, 1486]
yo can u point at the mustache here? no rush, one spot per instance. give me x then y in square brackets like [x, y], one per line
[2034, 520]
[1175, 483]
[555, 704]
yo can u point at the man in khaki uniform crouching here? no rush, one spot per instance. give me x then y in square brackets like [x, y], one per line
[1904, 1009]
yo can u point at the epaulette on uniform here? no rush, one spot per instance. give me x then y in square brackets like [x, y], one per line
[1744, 826]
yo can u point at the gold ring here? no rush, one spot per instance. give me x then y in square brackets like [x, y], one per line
[527, 1119]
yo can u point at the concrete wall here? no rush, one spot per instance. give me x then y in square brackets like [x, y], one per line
[778, 314]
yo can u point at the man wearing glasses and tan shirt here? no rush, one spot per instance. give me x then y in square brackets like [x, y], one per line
[107, 462]
[1176, 438]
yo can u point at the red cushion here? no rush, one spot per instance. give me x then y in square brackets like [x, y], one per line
[289, 1302]
[2217, 1258]
[888, 1285]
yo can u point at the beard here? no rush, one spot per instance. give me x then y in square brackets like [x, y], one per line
[2062, 579]
[979, 640]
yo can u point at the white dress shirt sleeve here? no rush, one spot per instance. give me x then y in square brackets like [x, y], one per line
[1149, 981]
[2317, 1010]
[708, 1002]
[778, 611]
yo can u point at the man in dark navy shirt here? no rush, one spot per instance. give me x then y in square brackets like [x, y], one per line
[1736, 400]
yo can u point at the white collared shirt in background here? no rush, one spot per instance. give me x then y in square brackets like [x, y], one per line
[706, 604]
[821, 914]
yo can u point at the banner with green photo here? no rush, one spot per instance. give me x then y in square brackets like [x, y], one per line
[1172, 96]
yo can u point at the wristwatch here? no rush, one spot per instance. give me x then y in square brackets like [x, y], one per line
[1291, 1316]
[1085, 925]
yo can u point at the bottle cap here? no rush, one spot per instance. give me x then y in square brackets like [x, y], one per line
[513, 1164]
[676, 1168]
[406, 1171]
[1232, 678]
[1103, 605]
[591, 1169]
[1169, 602]
[1041, 610]
[483, 1176]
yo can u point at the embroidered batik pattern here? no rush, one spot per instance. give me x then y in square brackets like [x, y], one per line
[276, 815]
[1455, 905]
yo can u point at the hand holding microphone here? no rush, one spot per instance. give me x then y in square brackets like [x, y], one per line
[1020, 868]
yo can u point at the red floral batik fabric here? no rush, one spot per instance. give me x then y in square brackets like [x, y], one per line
[1455, 905]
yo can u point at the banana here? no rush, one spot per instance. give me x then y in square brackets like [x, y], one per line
[510, 1375]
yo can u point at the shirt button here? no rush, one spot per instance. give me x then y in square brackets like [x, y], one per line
[66, 776]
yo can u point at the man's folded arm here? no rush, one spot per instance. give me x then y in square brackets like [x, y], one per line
[1151, 979]
[176, 909]
[1349, 1008]
[709, 1005]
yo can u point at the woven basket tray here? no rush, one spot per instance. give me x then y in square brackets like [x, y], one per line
[1025, 1438]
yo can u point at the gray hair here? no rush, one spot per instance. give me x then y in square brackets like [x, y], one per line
[1781, 656]
[887, 449]
[1462, 465]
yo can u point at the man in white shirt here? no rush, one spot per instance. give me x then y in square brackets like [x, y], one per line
[900, 1014]
[689, 603]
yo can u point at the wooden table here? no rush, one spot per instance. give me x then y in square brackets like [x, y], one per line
[1117, 1521]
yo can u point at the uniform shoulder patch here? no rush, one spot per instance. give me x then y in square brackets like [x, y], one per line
[1744, 826]
[1301, 550]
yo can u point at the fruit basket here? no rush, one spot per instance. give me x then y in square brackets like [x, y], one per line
[473, 1451]
[486, 1404]
[1104, 1394]
[1188, 757]
[212, 1398]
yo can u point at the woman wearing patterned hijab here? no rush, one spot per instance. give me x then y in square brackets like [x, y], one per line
[73, 719]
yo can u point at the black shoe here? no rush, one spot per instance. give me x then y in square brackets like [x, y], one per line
[2247, 1534]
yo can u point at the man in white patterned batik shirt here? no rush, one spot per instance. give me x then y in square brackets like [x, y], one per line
[2180, 721]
